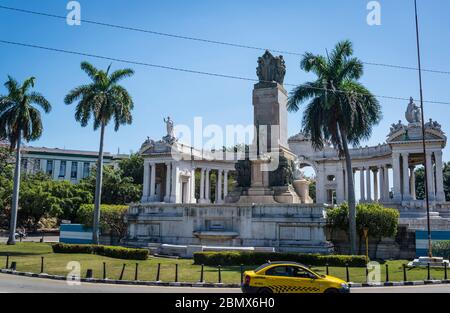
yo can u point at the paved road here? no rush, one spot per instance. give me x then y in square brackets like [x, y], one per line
[4, 239]
[20, 284]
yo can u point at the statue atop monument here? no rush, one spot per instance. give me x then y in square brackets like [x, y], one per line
[271, 69]
[413, 113]
[170, 137]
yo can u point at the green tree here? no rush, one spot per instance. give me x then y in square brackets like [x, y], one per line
[117, 189]
[19, 119]
[112, 219]
[379, 221]
[341, 110]
[103, 99]
[133, 167]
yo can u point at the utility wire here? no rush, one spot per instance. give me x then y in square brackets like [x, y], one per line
[172, 68]
[208, 41]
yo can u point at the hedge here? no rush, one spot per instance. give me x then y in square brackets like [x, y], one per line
[108, 251]
[233, 258]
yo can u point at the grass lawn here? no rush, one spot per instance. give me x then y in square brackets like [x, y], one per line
[28, 258]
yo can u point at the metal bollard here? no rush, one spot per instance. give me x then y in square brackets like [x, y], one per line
[123, 270]
[242, 273]
[367, 274]
[201, 275]
[158, 272]
[136, 271]
[387, 273]
[328, 269]
[13, 266]
[445, 271]
[89, 274]
[104, 270]
[347, 272]
[42, 264]
[220, 274]
[176, 273]
[429, 272]
[7, 261]
[405, 278]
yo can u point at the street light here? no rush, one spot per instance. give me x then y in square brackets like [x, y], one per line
[427, 200]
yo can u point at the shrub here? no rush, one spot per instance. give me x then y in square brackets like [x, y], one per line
[441, 248]
[65, 248]
[108, 251]
[234, 258]
[380, 221]
[121, 252]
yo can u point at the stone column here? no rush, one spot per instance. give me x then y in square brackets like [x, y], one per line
[225, 184]
[386, 183]
[168, 180]
[219, 186]
[175, 196]
[406, 182]
[376, 172]
[369, 185]
[207, 187]
[382, 182]
[340, 193]
[361, 185]
[440, 194]
[146, 184]
[397, 181]
[412, 182]
[430, 175]
[152, 181]
[192, 187]
[202, 184]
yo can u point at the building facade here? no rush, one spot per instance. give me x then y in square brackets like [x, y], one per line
[63, 164]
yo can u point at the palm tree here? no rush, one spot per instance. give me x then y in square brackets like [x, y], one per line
[341, 110]
[20, 119]
[103, 99]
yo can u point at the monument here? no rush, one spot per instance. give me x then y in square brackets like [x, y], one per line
[272, 167]
[177, 216]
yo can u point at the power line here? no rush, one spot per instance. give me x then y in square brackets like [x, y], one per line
[208, 41]
[172, 68]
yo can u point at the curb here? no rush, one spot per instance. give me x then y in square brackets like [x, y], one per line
[122, 282]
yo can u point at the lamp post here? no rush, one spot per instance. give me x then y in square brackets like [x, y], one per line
[427, 200]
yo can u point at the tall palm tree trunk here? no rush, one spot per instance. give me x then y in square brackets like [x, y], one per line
[98, 190]
[351, 194]
[15, 198]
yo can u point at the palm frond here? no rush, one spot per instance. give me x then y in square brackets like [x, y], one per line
[40, 100]
[119, 75]
[90, 70]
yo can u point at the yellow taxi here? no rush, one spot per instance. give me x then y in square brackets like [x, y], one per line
[290, 277]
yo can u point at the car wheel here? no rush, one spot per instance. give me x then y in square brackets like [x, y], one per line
[332, 290]
[265, 291]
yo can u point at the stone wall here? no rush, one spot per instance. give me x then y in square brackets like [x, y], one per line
[281, 226]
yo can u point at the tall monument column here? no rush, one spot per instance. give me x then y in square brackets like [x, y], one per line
[406, 181]
[396, 174]
[430, 178]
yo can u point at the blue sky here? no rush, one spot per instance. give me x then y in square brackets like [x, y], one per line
[297, 26]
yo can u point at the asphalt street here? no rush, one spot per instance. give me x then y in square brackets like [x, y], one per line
[20, 284]
[4, 239]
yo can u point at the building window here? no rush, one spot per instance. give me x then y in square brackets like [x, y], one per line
[86, 170]
[49, 169]
[74, 170]
[62, 169]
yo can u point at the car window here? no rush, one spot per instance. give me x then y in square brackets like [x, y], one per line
[301, 272]
[279, 271]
